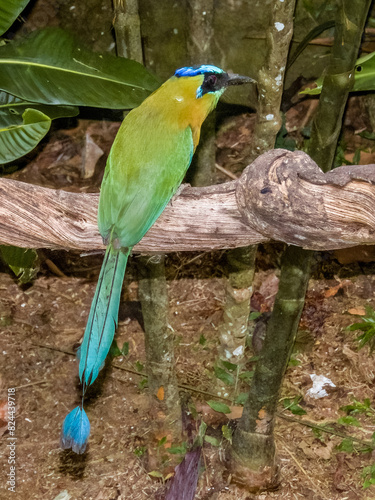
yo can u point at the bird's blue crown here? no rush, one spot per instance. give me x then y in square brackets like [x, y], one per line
[197, 70]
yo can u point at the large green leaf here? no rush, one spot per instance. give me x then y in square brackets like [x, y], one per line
[364, 76]
[18, 140]
[12, 109]
[50, 67]
[9, 11]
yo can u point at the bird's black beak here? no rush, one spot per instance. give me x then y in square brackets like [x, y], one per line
[234, 79]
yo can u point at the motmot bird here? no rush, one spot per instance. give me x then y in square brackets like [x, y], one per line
[147, 163]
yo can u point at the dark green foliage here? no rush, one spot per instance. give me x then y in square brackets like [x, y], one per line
[227, 433]
[180, 449]
[18, 140]
[283, 140]
[202, 340]
[368, 474]
[224, 375]
[241, 398]
[314, 33]
[293, 406]
[219, 407]
[46, 75]
[139, 366]
[212, 441]
[9, 11]
[246, 376]
[116, 351]
[346, 445]
[358, 407]
[340, 156]
[367, 326]
[12, 109]
[51, 67]
[349, 420]
[364, 76]
[23, 262]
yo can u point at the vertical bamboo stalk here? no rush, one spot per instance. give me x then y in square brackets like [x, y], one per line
[253, 451]
[254, 462]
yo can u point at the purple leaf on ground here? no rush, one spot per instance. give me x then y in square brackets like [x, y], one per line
[184, 483]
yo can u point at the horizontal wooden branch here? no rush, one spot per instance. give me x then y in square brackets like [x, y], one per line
[282, 196]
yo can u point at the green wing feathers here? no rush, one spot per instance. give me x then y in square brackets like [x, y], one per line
[141, 177]
[103, 316]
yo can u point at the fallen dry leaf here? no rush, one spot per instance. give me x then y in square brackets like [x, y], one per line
[331, 292]
[324, 451]
[357, 311]
[306, 448]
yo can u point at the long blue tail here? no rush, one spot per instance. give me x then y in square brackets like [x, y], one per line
[97, 340]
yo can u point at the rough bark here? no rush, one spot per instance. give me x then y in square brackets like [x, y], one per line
[128, 29]
[199, 49]
[270, 78]
[159, 340]
[282, 196]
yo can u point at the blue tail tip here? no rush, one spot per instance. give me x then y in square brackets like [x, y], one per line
[75, 431]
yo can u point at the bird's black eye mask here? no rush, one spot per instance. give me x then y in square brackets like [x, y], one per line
[213, 82]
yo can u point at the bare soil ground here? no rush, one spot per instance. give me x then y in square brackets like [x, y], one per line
[43, 322]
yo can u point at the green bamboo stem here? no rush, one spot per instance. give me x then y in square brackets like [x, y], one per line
[337, 82]
[253, 441]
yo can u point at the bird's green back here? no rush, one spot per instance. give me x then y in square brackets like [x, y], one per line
[142, 174]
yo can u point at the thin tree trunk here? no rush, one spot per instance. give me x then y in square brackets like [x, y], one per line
[234, 324]
[159, 344]
[127, 29]
[241, 261]
[201, 12]
[253, 442]
[153, 293]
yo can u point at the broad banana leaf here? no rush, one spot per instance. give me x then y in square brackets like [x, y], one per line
[9, 11]
[364, 76]
[18, 140]
[12, 109]
[50, 67]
